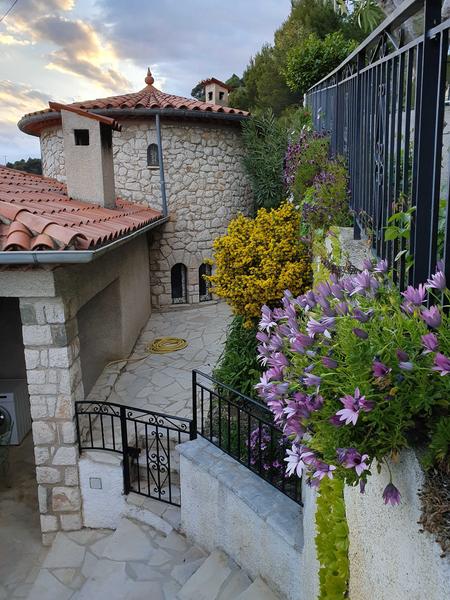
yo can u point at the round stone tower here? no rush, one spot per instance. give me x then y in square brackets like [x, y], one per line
[194, 159]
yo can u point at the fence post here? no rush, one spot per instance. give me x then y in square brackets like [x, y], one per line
[427, 182]
[77, 423]
[356, 171]
[125, 461]
[193, 423]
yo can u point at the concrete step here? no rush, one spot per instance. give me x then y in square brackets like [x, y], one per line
[219, 578]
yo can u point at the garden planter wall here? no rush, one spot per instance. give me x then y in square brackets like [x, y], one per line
[389, 557]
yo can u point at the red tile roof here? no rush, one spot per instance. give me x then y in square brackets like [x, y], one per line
[149, 98]
[36, 214]
[217, 82]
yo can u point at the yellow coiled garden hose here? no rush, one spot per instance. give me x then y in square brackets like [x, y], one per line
[166, 344]
[162, 345]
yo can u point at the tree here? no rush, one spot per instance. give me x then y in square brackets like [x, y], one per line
[198, 92]
[265, 141]
[314, 58]
[31, 165]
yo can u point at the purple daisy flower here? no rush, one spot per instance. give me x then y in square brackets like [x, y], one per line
[323, 470]
[441, 364]
[431, 316]
[382, 266]
[362, 316]
[352, 407]
[350, 458]
[360, 333]
[437, 281]
[379, 369]
[267, 321]
[430, 343]
[414, 295]
[311, 380]
[391, 495]
[329, 362]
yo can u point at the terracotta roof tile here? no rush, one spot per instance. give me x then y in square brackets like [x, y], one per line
[36, 214]
[147, 98]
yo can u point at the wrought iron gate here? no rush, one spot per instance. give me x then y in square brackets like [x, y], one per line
[145, 439]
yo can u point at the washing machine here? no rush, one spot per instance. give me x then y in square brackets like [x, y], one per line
[14, 397]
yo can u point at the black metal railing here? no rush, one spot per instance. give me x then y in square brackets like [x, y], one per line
[384, 109]
[144, 438]
[244, 429]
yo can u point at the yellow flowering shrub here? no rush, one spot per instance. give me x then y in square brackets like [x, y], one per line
[259, 258]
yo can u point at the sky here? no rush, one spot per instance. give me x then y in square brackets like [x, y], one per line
[67, 50]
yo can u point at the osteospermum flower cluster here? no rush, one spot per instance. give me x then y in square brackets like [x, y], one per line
[354, 361]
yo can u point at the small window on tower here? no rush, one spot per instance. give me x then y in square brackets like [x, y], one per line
[210, 96]
[221, 95]
[152, 156]
[81, 137]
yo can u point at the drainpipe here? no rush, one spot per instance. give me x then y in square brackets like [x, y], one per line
[162, 181]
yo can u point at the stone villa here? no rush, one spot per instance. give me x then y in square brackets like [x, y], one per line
[199, 174]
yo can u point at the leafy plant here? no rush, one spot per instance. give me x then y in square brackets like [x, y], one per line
[305, 159]
[361, 370]
[258, 259]
[326, 201]
[238, 366]
[314, 58]
[332, 541]
[265, 141]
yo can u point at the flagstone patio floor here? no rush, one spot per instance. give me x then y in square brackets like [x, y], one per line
[162, 382]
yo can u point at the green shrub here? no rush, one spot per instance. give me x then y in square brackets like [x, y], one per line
[305, 159]
[238, 366]
[326, 201]
[332, 541]
[314, 58]
[265, 141]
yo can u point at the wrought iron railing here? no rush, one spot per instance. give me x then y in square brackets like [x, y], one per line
[384, 109]
[244, 429]
[144, 438]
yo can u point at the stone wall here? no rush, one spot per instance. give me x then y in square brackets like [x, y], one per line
[52, 153]
[50, 337]
[205, 181]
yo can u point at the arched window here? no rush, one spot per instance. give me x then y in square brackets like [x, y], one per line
[152, 155]
[203, 285]
[178, 278]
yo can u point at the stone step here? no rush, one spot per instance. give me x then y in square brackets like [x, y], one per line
[258, 590]
[219, 578]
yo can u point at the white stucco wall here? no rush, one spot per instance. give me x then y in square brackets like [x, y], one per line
[224, 505]
[389, 558]
[205, 181]
[104, 507]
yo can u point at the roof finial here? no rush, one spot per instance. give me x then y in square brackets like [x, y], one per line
[149, 80]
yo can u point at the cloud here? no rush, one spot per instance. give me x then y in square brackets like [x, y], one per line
[188, 41]
[18, 99]
[79, 49]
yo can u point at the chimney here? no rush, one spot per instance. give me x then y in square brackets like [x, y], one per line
[88, 155]
[216, 92]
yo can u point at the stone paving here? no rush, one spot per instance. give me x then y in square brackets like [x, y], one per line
[162, 382]
[134, 562]
[21, 551]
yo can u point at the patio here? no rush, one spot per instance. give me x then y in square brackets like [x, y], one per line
[162, 382]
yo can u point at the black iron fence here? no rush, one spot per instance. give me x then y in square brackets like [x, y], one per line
[145, 439]
[244, 429]
[384, 109]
